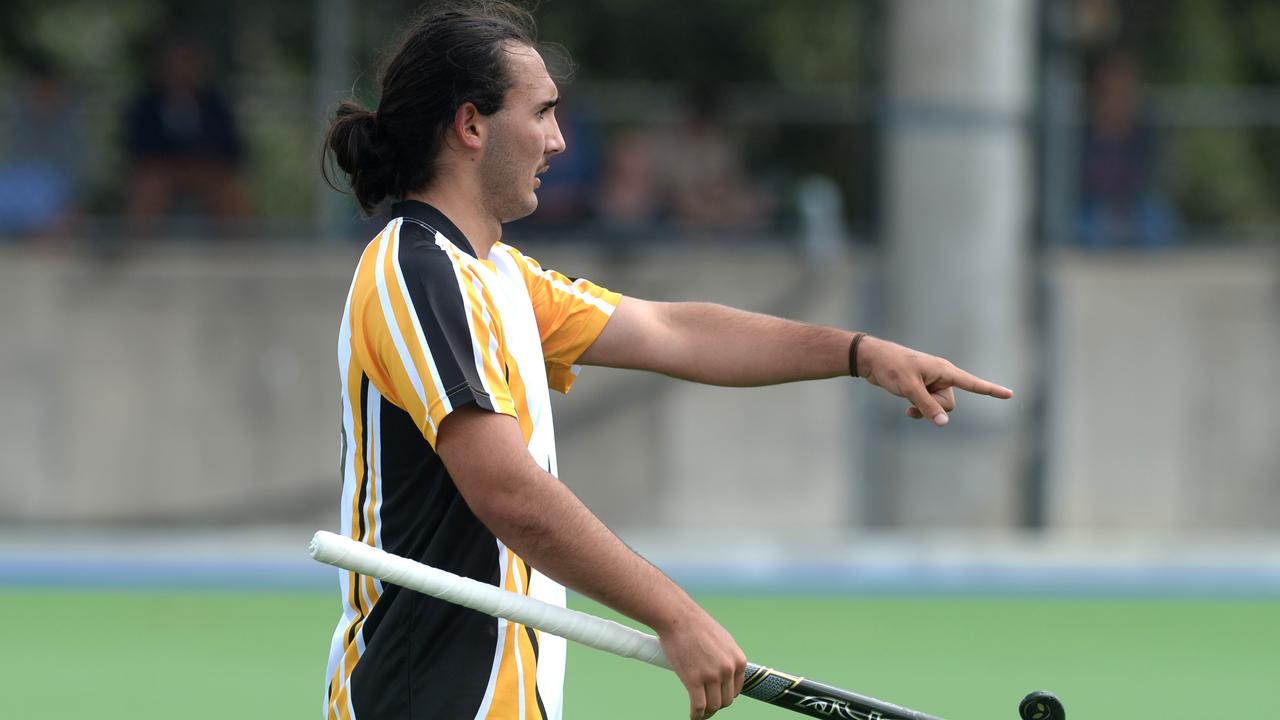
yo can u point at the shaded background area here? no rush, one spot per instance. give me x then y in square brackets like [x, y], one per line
[798, 89]
[1077, 198]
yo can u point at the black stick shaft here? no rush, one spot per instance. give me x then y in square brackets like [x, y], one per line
[821, 701]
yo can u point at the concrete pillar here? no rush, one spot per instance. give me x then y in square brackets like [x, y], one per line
[958, 188]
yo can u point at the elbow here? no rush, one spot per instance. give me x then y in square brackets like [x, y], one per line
[512, 516]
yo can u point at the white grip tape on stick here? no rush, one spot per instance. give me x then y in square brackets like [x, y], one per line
[601, 634]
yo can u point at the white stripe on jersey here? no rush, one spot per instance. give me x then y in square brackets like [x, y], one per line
[373, 461]
[337, 646]
[524, 347]
[573, 289]
[493, 336]
[515, 573]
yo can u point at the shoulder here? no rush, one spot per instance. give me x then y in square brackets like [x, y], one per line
[417, 248]
[506, 254]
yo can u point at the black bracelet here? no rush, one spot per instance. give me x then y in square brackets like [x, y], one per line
[853, 353]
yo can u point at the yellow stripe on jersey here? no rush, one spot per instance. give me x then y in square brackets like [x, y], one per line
[525, 655]
[414, 387]
[516, 686]
[366, 323]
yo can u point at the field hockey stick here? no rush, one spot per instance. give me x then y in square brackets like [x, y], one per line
[762, 683]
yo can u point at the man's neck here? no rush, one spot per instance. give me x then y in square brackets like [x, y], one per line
[481, 230]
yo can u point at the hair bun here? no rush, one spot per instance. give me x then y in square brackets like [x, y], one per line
[358, 148]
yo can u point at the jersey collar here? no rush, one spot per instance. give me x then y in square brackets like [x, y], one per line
[436, 220]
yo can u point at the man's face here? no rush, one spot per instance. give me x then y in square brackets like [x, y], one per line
[523, 136]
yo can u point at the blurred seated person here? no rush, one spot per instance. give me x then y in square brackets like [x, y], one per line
[689, 177]
[627, 202]
[702, 171]
[1120, 202]
[183, 146]
[43, 160]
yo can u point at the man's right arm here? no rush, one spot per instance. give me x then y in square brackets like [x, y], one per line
[539, 518]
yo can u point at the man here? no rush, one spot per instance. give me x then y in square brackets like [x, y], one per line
[183, 145]
[449, 342]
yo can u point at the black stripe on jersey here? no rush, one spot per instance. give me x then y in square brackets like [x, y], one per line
[542, 709]
[424, 657]
[363, 486]
[442, 311]
[533, 643]
[342, 446]
[533, 640]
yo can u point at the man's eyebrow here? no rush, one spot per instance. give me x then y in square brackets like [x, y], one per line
[549, 104]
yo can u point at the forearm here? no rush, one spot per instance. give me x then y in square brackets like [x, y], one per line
[719, 345]
[547, 526]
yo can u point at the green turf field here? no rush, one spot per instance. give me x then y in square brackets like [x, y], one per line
[143, 654]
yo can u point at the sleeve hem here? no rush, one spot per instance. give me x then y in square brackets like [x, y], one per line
[466, 394]
[563, 371]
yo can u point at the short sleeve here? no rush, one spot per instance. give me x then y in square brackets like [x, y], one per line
[442, 345]
[570, 313]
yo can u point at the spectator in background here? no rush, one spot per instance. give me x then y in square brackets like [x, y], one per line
[40, 176]
[628, 203]
[1121, 203]
[690, 177]
[702, 170]
[183, 146]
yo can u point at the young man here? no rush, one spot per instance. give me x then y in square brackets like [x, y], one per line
[450, 341]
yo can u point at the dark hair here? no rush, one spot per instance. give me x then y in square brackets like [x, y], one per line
[451, 55]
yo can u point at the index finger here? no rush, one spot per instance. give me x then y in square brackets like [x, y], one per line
[974, 384]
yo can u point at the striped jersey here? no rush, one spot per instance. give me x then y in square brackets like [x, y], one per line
[429, 327]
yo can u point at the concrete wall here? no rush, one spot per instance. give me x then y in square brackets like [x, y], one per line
[171, 384]
[197, 383]
[1163, 410]
[191, 383]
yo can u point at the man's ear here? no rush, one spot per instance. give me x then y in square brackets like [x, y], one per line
[468, 126]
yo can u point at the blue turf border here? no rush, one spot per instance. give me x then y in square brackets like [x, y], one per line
[71, 571]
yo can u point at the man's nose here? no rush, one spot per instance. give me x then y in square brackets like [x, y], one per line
[555, 143]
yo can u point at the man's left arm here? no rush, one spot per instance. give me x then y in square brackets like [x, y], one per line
[719, 345]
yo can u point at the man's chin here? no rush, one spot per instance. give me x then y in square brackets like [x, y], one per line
[523, 211]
